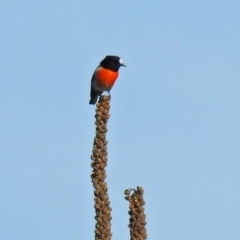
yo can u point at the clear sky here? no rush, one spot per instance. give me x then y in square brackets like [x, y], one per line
[174, 126]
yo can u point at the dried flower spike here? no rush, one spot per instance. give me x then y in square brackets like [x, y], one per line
[99, 162]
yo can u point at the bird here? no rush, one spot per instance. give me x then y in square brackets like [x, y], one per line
[104, 77]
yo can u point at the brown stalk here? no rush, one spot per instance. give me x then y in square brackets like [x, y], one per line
[99, 163]
[137, 220]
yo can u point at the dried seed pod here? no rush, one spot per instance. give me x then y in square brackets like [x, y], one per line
[127, 192]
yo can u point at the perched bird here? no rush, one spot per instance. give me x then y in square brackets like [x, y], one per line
[105, 76]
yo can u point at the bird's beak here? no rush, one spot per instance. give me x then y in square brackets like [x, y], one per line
[123, 65]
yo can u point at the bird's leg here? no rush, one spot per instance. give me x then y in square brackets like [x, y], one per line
[109, 96]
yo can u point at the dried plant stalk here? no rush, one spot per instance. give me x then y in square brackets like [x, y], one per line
[99, 162]
[137, 217]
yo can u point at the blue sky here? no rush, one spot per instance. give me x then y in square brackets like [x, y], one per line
[174, 126]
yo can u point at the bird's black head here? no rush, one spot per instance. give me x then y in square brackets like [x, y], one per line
[112, 62]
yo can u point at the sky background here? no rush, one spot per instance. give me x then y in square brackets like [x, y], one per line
[174, 126]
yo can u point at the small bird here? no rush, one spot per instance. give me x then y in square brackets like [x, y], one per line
[105, 76]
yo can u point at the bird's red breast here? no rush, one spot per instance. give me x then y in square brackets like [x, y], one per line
[105, 77]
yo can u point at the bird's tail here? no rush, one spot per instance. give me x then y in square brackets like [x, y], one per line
[94, 96]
